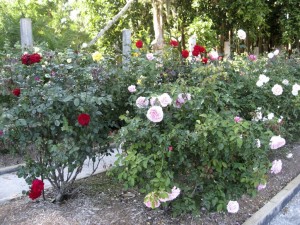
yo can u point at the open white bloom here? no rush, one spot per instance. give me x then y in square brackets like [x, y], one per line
[270, 116]
[296, 88]
[280, 119]
[277, 89]
[165, 100]
[276, 52]
[259, 83]
[277, 142]
[233, 207]
[270, 55]
[285, 82]
[263, 78]
[241, 34]
[149, 56]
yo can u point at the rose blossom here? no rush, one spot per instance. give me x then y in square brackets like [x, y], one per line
[170, 148]
[16, 92]
[277, 89]
[270, 116]
[241, 34]
[276, 166]
[276, 52]
[165, 100]
[185, 53]
[259, 83]
[237, 119]
[233, 207]
[204, 60]
[183, 97]
[270, 55]
[149, 204]
[155, 114]
[263, 78]
[261, 186]
[84, 119]
[132, 88]
[174, 194]
[285, 82]
[139, 44]
[1, 132]
[277, 142]
[296, 88]
[213, 55]
[37, 187]
[252, 57]
[142, 102]
[174, 43]
[149, 56]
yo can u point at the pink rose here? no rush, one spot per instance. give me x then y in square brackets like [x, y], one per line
[164, 100]
[237, 119]
[174, 194]
[276, 166]
[155, 114]
[233, 207]
[277, 142]
[149, 204]
[261, 186]
[132, 88]
[149, 56]
[153, 101]
[252, 57]
[213, 55]
[142, 102]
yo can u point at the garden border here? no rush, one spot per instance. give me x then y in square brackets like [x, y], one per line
[10, 169]
[265, 214]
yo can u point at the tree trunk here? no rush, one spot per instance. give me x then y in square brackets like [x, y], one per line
[158, 42]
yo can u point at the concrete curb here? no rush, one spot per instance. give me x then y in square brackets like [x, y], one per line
[274, 206]
[10, 169]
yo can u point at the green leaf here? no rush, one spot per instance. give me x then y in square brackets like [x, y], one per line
[76, 102]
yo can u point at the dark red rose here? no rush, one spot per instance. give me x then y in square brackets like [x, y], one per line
[174, 43]
[195, 52]
[185, 53]
[37, 187]
[16, 92]
[204, 60]
[35, 58]
[25, 59]
[139, 44]
[84, 119]
[199, 48]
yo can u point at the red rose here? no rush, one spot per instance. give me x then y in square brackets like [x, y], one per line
[139, 44]
[84, 119]
[16, 92]
[25, 59]
[174, 43]
[204, 60]
[37, 187]
[185, 53]
[35, 58]
[199, 48]
[195, 52]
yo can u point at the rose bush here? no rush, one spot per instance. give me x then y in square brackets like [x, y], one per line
[60, 119]
[212, 137]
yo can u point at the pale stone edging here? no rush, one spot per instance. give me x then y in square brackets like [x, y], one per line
[275, 205]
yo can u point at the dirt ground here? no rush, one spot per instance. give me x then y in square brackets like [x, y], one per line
[101, 201]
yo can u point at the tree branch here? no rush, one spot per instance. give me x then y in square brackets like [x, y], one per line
[110, 23]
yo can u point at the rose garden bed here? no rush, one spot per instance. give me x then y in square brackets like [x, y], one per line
[101, 200]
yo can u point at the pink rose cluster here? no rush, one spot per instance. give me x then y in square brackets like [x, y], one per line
[182, 98]
[277, 142]
[153, 198]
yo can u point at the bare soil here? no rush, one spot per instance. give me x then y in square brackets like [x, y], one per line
[102, 201]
